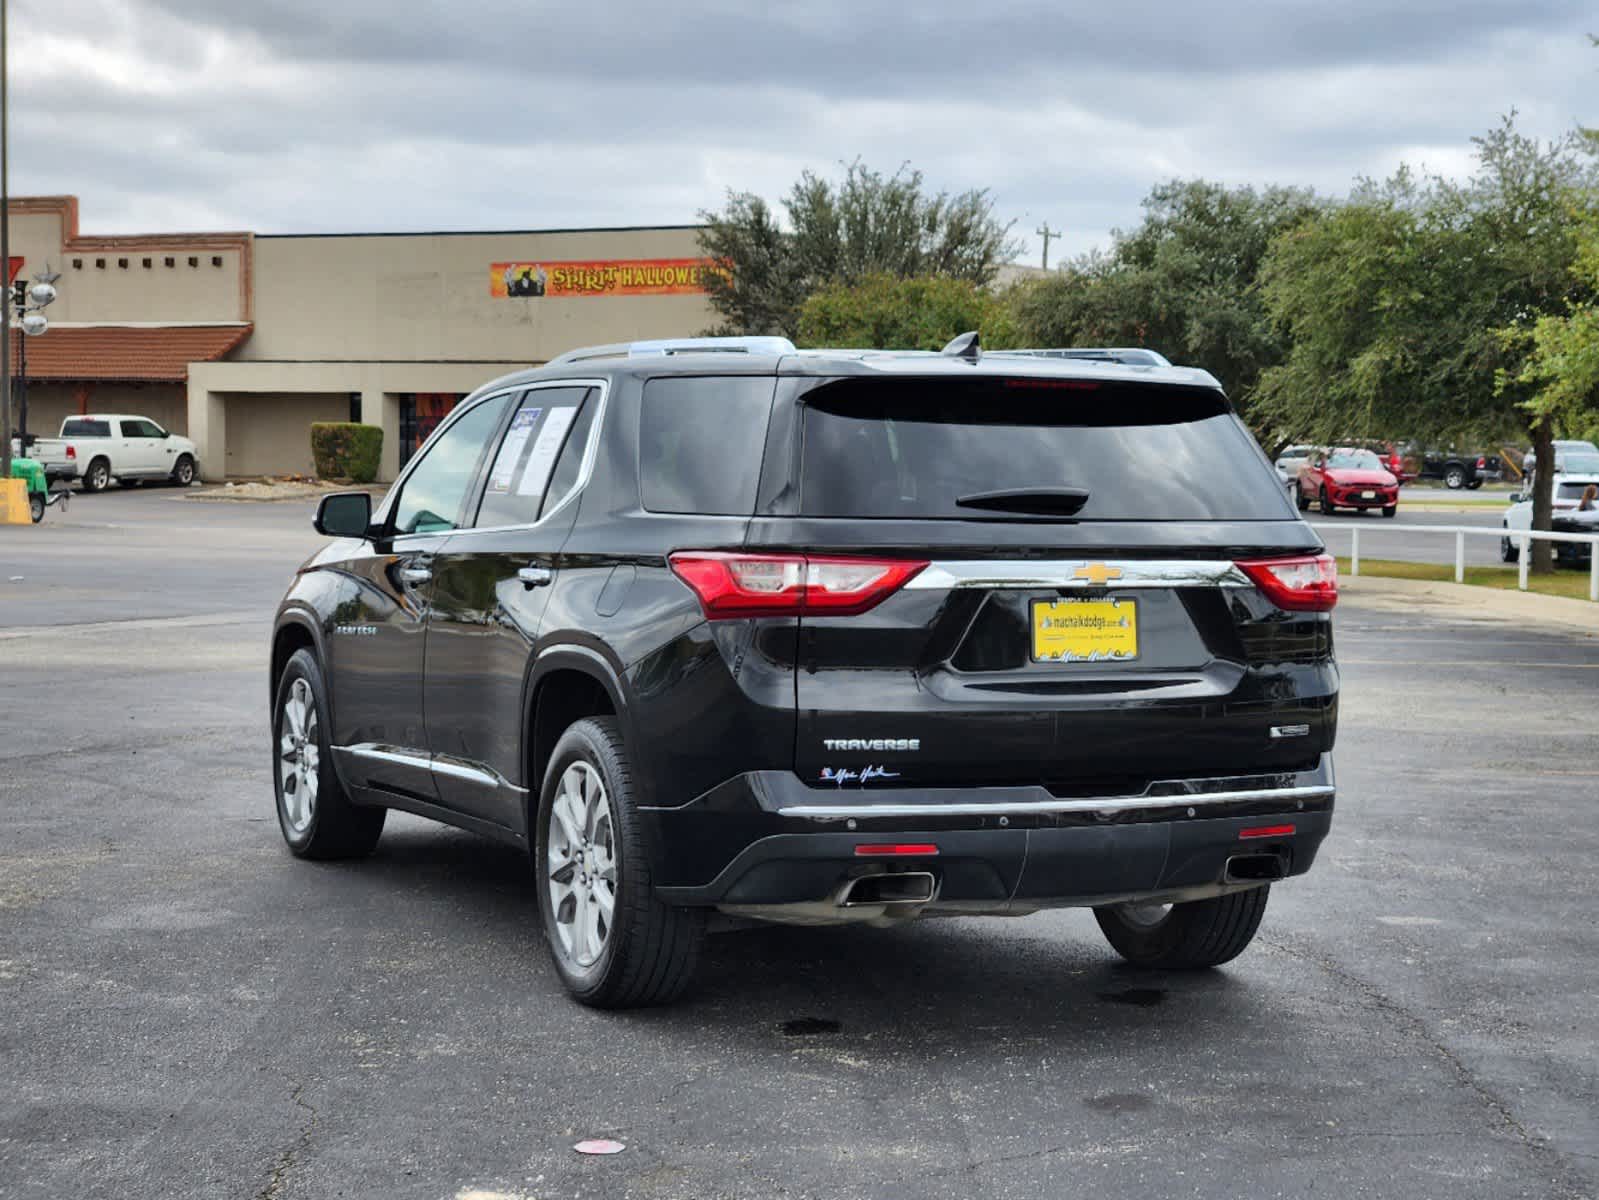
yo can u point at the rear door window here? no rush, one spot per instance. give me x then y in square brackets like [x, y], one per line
[700, 443]
[933, 448]
[524, 464]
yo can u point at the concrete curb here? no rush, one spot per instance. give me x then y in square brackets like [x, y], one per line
[1468, 602]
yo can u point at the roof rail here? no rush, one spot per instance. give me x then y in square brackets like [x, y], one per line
[1130, 356]
[670, 346]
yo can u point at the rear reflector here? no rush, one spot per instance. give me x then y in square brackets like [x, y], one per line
[1308, 584]
[896, 850]
[1266, 831]
[776, 585]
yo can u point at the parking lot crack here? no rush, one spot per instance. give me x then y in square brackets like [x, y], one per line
[291, 1153]
[1417, 1026]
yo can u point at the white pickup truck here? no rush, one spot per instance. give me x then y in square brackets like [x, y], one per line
[100, 447]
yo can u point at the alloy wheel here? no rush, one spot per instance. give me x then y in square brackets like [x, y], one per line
[581, 863]
[299, 756]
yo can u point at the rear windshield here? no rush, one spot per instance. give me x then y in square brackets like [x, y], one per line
[918, 448]
[86, 429]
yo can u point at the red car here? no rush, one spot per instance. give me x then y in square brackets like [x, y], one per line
[1348, 478]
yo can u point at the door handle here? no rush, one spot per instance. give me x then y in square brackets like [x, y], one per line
[535, 576]
[415, 574]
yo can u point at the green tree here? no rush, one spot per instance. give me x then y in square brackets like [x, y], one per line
[1183, 282]
[1395, 304]
[1561, 351]
[885, 312]
[843, 231]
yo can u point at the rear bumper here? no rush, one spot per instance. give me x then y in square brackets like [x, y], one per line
[55, 471]
[768, 839]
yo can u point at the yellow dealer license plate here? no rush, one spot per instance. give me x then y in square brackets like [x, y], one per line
[1080, 630]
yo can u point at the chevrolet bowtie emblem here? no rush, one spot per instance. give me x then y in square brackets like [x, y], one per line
[1097, 573]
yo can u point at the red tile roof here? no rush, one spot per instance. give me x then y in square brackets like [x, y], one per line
[154, 354]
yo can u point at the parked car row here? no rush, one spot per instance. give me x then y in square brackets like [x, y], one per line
[97, 448]
[1455, 469]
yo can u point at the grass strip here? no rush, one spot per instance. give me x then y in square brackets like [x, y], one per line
[1566, 581]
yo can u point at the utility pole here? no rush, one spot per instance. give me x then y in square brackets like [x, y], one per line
[1043, 231]
[5, 257]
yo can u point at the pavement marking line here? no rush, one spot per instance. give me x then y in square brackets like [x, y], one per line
[88, 627]
[1395, 662]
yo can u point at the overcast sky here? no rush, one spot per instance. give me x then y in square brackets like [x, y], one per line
[343, 115]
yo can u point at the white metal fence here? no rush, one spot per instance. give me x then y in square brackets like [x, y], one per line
[1522, 538]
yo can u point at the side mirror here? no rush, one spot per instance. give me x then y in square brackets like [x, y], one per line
[1515, 497]
[343, 514]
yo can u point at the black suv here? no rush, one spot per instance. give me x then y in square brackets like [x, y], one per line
[825, 636]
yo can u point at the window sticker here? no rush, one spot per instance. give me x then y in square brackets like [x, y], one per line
[542, 461]
[511, 449]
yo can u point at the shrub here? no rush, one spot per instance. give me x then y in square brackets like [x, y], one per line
[921, 313]
[346, 450]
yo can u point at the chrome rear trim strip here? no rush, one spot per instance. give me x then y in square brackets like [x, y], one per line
[1080, 573]
[1094, 804]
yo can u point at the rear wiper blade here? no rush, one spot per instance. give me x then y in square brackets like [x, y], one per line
[1053, 501]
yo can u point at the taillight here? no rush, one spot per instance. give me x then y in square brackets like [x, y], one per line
[1308, 584]
[1481, 463]
[776, 585]
[72, 452]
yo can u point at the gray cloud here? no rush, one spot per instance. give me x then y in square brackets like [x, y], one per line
[287, 115]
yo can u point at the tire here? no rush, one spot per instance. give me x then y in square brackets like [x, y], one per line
[1508, 551]
[1302, 500]
[98, 476]
[1454, 478]
[1391, 511]
[1327, 507]
[316, 816]
[183, 471]
[1200, 933]
[36, 507]
[648, 950]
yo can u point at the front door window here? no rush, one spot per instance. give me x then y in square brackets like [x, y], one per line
[433, 495]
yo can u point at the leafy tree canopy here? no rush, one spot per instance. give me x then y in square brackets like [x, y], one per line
[1409, 310]
[843, 231]
[922, 313]
[1183, 282]
[1393, 304]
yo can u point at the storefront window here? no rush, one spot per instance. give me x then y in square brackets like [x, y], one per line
[420, 414]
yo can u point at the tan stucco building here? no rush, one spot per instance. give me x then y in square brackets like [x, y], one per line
[241, 340]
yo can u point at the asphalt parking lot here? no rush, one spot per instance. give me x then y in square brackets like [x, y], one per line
[187, 1011]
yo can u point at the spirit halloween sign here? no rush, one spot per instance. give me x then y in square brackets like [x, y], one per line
[614, 277]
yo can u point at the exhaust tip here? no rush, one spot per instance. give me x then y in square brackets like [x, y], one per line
[1256, 868]
[903, 887]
